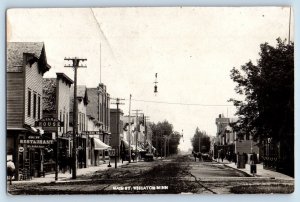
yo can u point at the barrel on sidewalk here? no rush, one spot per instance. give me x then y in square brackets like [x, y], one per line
[241, 161]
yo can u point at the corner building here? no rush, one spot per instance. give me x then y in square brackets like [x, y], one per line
[26, 65]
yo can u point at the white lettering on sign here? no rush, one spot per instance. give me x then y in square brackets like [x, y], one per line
[34, 141]
[49, 124]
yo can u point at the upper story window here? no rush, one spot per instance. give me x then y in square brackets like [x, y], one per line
[39, 107]
[79, 121]
[64, 116]
[60, 120]
[34, 105]
[83, 122]
[67, 122]
[29, 103]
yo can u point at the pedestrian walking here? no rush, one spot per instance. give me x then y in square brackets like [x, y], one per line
[222, 155]
[10, 170]
[245, 157]
[234, 157]
[253, 158]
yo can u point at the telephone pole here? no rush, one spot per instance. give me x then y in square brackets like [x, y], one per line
[146, 129]
[75, 65]
[289, 37]
[118, 102]
[129, 130]
[136, 131]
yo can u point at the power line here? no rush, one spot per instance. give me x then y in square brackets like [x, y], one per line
[181, 103]
[102, 33]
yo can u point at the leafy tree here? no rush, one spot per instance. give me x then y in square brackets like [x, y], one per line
[174, 140]
[161, 132]
[204, 141]
[268, 87]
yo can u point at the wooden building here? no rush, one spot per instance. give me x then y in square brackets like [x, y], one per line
[56, 102]
[26, 65]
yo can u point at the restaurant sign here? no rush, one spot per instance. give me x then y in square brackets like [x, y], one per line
[36, 142]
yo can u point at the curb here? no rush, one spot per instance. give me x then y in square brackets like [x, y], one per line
[242, 171]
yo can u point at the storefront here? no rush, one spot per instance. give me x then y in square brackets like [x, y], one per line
[82, 151]
[27, 147]
[99, 151]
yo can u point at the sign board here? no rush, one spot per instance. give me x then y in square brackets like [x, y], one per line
[91, 133]
[68, 134]
[49, 123]
[36, 142]
[112, 152]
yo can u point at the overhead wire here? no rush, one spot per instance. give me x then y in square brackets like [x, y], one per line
[181, 103]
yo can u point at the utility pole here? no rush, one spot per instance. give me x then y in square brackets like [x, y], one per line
[199, 142]
[75, 65]
[169, 144]
[156, 144]
[129, 130]
[136, 131]
[165, 144]
[118, 127]
[146, 131]
[289, 37]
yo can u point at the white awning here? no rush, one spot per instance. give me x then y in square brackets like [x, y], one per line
[138, 148]
[127, 144]
[99, 145]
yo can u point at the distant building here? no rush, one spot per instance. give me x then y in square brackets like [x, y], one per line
[138, 136]
[116, 134]
[104, 102]
[230, 141]
[26, 65]
[97, 128]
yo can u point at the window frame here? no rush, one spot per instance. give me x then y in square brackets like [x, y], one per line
[34, 105]
[29, 102]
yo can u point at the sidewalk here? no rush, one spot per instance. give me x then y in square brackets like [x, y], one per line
[260, 171]
[62, 177]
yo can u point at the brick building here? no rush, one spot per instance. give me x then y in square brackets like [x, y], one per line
[98, 113]
[116, 134]
[26, 65]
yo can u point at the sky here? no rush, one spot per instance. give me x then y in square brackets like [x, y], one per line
[192, 49]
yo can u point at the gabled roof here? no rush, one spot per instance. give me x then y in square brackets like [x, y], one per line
[15, 51]
[64, 77]
[81, 95]
[81, 91]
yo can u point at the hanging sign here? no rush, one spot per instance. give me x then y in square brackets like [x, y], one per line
[49, 123]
